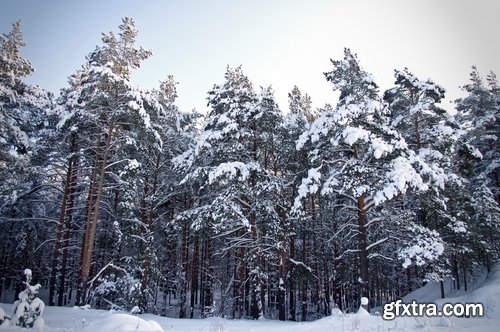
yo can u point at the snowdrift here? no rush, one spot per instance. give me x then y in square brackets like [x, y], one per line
[486, 290]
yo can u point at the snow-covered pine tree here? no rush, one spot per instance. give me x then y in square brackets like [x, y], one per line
[301, 231]
[23, 122]
[29, 308]
[478, 161]
[22, 107]
[427, 129]
[301, 104]
[357, 155]
[111, 107]
[268, 198]
[125, 234]
[236, 193]
[148, 186]
[479, 119]
[175, 129]
[179, 131]
[64, 157]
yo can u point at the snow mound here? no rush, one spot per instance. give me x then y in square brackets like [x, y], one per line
[485, 290]
[362, 312]
[125, 322]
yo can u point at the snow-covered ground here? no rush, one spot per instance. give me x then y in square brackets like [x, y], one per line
[484, 290]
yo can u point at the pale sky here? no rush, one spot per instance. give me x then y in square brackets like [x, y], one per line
[278, 42]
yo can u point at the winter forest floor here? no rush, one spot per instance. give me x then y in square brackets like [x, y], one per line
[485, 289]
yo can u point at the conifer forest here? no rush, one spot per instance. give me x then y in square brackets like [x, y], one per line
[116, 198]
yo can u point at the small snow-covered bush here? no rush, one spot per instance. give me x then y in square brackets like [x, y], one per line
[116, 289]
[3, 317]
[29, 308]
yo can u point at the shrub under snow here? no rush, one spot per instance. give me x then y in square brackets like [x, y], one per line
[29, 308]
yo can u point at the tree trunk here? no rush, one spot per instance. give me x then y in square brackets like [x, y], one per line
[255, 286]
[465, 278]
[194, 275]
[315, 297]
[362, 244]
[93, 216]
[145, 253]
[184, 273]
[67, 233]
[208, 297]
[291, 283]
[456, 275]
[281, 283]
[241, 283]
[303, 281]
[68, 190]
[59, 230]
[88, 211]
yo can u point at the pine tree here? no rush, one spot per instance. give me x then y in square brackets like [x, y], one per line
[29, 308]
[359, 157]
[428, 131]
[22, 113]
[477, 161]
[301, 104]
[230, 166]
[24, 123]
[479, 119]
[106, 102]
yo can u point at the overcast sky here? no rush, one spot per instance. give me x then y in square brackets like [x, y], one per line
[279, 43]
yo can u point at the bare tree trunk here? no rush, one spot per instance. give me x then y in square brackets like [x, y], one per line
[303, 279]
[148, 221]
[291, 282]
[255, 284]
[317, 282]
[465, 277]
[362, 244]
[145, 247]
[62, 218]
[455, 272]
[281, 284]
[88, 211]
[208, 297]
[315, 255]
[241, 283]
[184, 266]
[67, 233]
[93, 217]
[59, 229]
[194, 275]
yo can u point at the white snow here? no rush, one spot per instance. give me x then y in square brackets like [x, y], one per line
[353, 134]
[231, 170]
[125, 322]
[426, 246]
[485, 290]
[401, 175]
